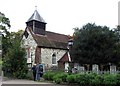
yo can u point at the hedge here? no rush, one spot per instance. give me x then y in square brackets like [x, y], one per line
[84, 79]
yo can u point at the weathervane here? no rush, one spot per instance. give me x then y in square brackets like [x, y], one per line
[35, 4]
[35, 7]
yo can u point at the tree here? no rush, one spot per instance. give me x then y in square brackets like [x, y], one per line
[95, 45]
[4, 29]
[14, 61]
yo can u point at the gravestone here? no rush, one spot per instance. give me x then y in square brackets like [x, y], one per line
[82, 69]
[95, 68]
[76, 65]
[113, 69]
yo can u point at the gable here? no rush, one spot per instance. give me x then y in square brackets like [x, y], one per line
[28, 39]
[65, 58]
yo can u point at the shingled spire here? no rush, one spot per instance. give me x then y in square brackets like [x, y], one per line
[37, 23]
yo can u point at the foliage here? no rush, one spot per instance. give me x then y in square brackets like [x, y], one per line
[70, 78]
[60, 76]
[48, 75]
[64, 76]
[97, 80]
[15, 61]
[13, 56]
[4, 29]
[110, 79]
[4, 23]
[82, 79]
[57, 78]
[118, 79]
[86, 79]
[29, 75]
[95, 44]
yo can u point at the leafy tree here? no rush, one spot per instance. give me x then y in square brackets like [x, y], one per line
[4, 29]
[14, 61]
[95, 45]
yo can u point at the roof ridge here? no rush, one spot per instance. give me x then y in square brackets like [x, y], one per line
[57, 33]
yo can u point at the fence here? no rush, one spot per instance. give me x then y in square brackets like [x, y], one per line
[98, 72]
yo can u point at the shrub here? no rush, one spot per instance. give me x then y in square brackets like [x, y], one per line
[57, 78]
[110, 79]
[70, 78]
[77, 78]
[94, 79]
[82, 79]
[118, 79]
[64, 76]
[29, 75]
[48, 76]
[98, 79]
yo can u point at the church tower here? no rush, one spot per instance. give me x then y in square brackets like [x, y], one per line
[37, 23]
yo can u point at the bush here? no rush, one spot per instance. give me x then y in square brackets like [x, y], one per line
[110, 79]
[94, 79]
[97, 80]
[118, 79]
[91, 79]
[81, 79]
[70, 78]
[57, 78]
[30, 75]
[64, 76]
[48, 76]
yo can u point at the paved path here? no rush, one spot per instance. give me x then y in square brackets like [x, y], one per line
[17, 81]
[22, 82]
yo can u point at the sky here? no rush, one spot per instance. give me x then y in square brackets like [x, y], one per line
[61, 15]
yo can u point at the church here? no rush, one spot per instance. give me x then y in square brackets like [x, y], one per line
[45, 47]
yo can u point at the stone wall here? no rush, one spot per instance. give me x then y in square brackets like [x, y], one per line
[46, 56]
[30, 43]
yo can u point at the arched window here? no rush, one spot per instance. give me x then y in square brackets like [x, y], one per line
[54, 58]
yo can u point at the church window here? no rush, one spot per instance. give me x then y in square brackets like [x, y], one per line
[54, 58]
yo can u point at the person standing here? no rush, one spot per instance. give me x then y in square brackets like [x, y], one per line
[38, 72]
[34, 71]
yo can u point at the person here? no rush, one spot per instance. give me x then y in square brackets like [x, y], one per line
[34, 71]
[39, 71]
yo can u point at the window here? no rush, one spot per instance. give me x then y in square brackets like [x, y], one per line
[54, 58]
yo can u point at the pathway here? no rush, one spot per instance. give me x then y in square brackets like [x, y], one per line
[23, 82]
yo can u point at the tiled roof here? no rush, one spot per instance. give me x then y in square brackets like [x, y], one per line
[36, 16]
[57, 37]
[51, 40]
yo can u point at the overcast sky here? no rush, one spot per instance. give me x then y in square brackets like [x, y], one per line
[61, 15]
